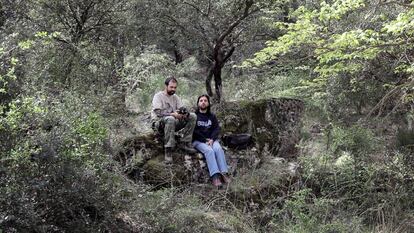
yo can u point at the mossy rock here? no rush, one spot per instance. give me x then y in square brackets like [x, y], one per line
[129, 130]
[273, 123]
[139, 148]
[405, 138]
[156, 172]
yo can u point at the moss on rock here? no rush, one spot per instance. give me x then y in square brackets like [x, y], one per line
[274, 123]
[156, 172]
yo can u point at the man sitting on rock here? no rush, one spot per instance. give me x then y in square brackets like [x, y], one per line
[169, 115]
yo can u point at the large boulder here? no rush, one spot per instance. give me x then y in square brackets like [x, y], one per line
[273, 123]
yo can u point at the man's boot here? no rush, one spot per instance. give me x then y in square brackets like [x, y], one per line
[168, 159]
[188, 147]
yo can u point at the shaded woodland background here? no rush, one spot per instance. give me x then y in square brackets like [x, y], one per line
[69, 69]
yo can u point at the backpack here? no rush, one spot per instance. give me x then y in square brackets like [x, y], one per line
[238, 141]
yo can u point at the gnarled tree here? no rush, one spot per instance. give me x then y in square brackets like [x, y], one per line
[211, 29]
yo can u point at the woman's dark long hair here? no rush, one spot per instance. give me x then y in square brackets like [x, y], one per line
[208, 100]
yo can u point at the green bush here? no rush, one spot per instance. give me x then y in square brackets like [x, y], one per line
[303, 212]
[375, 190]
[174, 210]
[356, 139]
[259, 85]
[54, 170]
[58, 194]
[144, 75]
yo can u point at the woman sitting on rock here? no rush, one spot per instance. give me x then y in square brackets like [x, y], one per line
[205, 138]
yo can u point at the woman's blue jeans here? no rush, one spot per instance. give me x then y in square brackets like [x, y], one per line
[216, 161]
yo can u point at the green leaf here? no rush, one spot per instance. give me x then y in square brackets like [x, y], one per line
[26, 44]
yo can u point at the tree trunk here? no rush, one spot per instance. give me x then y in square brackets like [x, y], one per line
[2, 16]
[178, 56]
[220, 56]
[215, 71]
[208, 82]
[218, 83]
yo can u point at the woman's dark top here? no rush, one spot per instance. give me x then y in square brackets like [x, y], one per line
[207, 127]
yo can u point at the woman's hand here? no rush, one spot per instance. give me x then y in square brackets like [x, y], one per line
[210, 142]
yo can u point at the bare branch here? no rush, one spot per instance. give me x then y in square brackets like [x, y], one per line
[228, 55]
[246, 13]
[390, 95]
[205, 15]
[186, 31]
[397, 3]
[74, 15]
[196, 8]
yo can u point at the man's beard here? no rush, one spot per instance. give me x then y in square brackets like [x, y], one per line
[170, 92]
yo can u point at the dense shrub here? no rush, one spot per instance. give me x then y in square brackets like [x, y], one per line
[362, 180]
[357, 140]
[59, 195]
[178, 210]
[54, 173]
[144, 75]
[303, 212]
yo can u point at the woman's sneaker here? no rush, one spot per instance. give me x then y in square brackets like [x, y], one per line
[225, 178]
[216, 181]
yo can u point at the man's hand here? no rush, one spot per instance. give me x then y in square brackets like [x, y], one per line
[178, 116]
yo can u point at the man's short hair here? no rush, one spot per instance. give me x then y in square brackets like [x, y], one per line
[169, 79]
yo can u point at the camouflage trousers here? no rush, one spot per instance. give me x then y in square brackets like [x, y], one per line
[171, 127]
